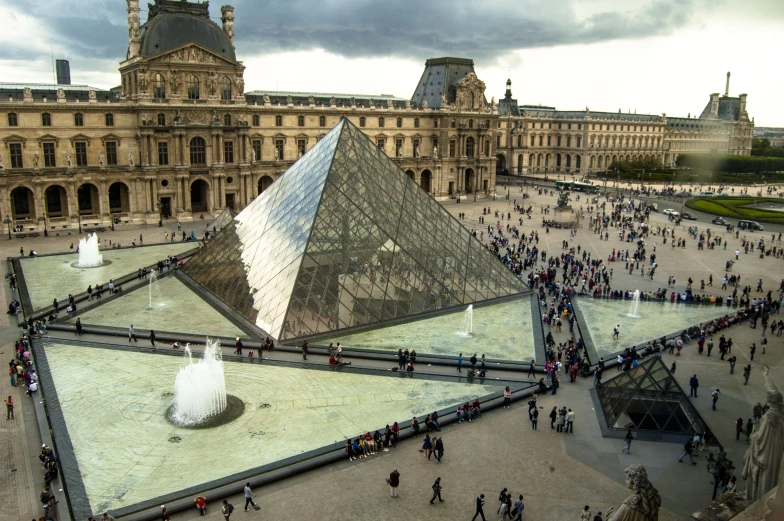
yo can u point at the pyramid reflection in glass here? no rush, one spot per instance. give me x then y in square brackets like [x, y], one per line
[345, 238]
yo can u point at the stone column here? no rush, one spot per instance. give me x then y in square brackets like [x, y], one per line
[144, 182]
[72, 202]
[103, 199]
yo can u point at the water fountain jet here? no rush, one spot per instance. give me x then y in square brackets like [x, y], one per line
[89, 252]
[635, 305]
[468, 322]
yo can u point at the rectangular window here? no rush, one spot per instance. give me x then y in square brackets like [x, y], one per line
[416, 122]
[111, 153]
[81, 153]
[579, 141]
[519, 141]
[300, 147]
[487, 147]
[279, 148]
[540, 140]
[228, 151]
[569, 126]
[49, 155]
[380, 143]
[452, 146]
[256, 120]
[498, 142]
[398, 148]
[257, 149]
[16, 155]
[568, 141]
[549, 140]
[163, 153]
[559, 141]
[417, 152]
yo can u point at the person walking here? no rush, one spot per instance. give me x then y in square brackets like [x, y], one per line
[738, 428]
[628, 439]
[152, 337]
[131, 334]
[436, 491]
[480, 502]
[534, 419]
[78, 327]
[226, 510]
[237, 346]
[732, 360]
[305, 350]
[752, 350]
[460, 363]
[693, 385]
[531, 369]
[517, 511]
[553, 416]
[427, 445]
[585, 515]
[249, 497]
[394, 482]
[688, 447]
[746, 374]
[439, 448]
[715, 395]
[570, 422]
[616, 331]
[9, 408]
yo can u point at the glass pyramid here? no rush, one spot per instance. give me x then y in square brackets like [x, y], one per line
[345, 238]
[648, 397]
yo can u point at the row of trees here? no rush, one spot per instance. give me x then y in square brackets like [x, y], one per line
[731, 164]
[761, 147]
[626, 167]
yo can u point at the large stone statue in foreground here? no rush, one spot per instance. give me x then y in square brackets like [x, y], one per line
[644, 503]
[762, 463]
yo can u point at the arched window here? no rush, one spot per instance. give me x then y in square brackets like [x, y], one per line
[109, 120]
[193, 86]
[158, 86]
[470, 146]
[470, 100]
[12, 120]
[322, 121]
[301, 121]
[362, 121]
[225, 88]
[161, 120]
[78, 119]
[399, 122]
[278, 121]
[381, 122]
[198, 151]
[227, 120]
[46, 119]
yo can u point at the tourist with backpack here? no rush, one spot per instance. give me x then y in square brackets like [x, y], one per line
[227, 509]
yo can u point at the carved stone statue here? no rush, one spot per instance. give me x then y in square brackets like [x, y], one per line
[416, 151]
[443, 101]
[2, 166]
[101, 158]
[352, 101]
[424, 103]
[28, 92]
[215, 117]
[762, 462]
[332, 101]
[266, 99]
[644, 503]
[240, 84]
[130, 158]
[311, 100]
[276, 154]
[175, 81]
[68, 159]
[435, 151]
[177, 120]
[144, 80]
[91, 95]
[400, 152]
[35, 160]
[212, 83]
[289, 100]
[253, 155]
[60, 93]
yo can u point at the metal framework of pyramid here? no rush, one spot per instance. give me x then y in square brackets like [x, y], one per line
[345, 238]
[648, 398]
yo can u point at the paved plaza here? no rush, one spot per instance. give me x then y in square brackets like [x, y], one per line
[558, 474]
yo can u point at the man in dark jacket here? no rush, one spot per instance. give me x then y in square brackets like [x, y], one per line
[693, 384]
[439, 449]
[394, 482]
[687, 448]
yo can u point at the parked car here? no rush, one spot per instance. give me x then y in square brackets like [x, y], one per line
[688, 216]
[720, 220]
[705, 194]
[682, 194]
[670, 211]
[750, 225]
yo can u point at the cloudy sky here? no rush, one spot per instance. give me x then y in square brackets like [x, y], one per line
[650, 56]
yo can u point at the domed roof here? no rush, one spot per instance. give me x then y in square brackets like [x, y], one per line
[174, 24]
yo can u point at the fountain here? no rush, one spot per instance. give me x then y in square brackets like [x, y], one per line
[468, 322]
[200, 389]
[153, 278]
[89, 253]
[635, 305]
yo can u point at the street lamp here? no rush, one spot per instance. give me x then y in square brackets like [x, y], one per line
[7, 222]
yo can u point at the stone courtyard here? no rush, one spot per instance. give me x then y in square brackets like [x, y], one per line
[557, 473]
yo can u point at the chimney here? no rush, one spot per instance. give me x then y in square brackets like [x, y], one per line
[63, 72]
[714, 101]
[727, 88]
[134, 29]
[743, 104]
[227, 17]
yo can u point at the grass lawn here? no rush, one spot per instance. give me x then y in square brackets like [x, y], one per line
[738, 208]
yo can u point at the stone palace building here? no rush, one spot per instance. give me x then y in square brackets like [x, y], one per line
[180, 136]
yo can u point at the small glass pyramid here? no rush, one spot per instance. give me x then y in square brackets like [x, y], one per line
[648, 398]
[345, 238]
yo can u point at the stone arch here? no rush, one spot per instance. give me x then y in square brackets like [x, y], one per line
[558, 161]
[87, 199]
[426, 179]
[469, 178]
[411, 174]
[568, 161]
[200, 195]
[56, 201]
[520, 164]
[539, 160]
[599, 163]
[23, 204]
[500, 164]
[578, 160]
[530, 161]
[592, 162]
[119, 198]
[265, 182]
